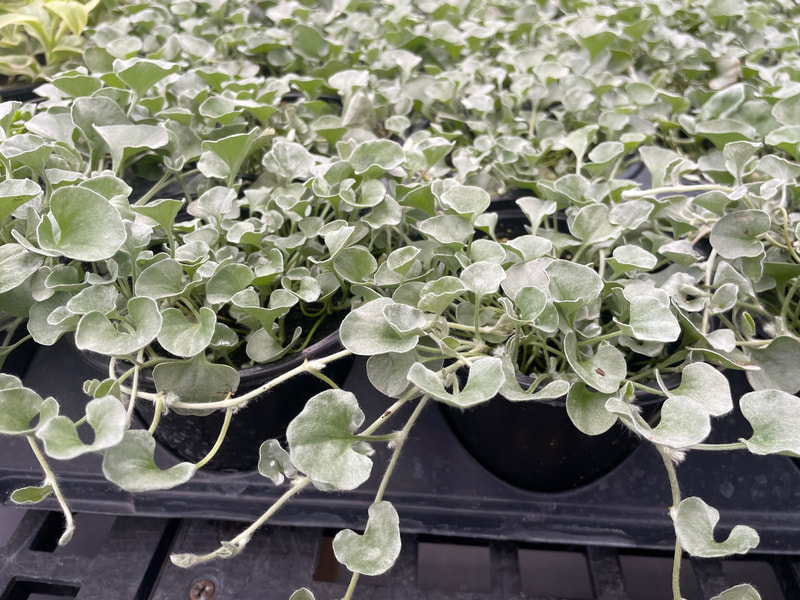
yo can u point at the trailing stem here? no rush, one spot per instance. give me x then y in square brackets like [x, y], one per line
[676, 500]
[50, 479]
[400, 440]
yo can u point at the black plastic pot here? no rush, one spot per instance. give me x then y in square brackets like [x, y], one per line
[18, 361]
[190, 437]
[22, 92]
[534, 445]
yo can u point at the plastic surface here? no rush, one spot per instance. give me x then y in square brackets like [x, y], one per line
[439, 488]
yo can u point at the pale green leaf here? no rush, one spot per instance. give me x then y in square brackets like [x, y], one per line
[131, 466]
[377, 549]
[694, 526]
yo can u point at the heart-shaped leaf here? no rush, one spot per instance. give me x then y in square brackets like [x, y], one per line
[131, 466]
[195, 380]
[736, 234]
[587, 410]
[288, 160]
[81, 225]
[18, 407]
[162, 279]
[743, 591]
[183, 337]
[322, 443]
[306, 594]
[366, 331]
[604, 371]
[97, 333]
[227, 282]
[376, 156]
[484, 381]
[694, 525]
[778, 365]
[107, 418]
[483, 278]
[16, 265]
[683, 422]
[775, 418]
[274, 462]
[125, 141]
[377, 549]
[707, 386]
[140, 74]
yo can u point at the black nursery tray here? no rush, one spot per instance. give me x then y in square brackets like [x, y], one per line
[438, 488]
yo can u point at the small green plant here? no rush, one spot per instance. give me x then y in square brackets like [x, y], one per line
[38, 36]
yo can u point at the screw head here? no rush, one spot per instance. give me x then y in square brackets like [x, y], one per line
[202, 589]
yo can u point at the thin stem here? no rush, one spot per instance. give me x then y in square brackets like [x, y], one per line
[707, 310]
[50, 479]
[676, 189]
[157, 414]
[321, 376]
[134, 386]
[241, 401]
[476, 320]
[235, 545]
[400, 440]
[599, 338]
[786, 230]
[220, 438]
[676, 500]
[401, 437]
[720, 447]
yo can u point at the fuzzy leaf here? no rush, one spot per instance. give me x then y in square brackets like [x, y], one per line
[484, 381]
[775, 418]
[483, 278]
[107, 418]
[182, 337]
[141, 74]
[16, 192]
[587, 410]
[736, 234]
[125, 141]
[683, 423]
[306, 594]
[163, 279]
[604, 371]
[227, 282]
[16, 265]
[694, 525]
[778, 365]
[82, 225]
[195, 380]
[274, 462]
[96, 333]
[573, 285]
[322, 444]
[288, 160]
[131, 466]
[707, 386]
[377, 549]
[366, 331]
[376, 156]
[18, 407]
[743, 591]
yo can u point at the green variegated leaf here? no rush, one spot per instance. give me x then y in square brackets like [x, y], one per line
[322, 443]
[377, 549]
[694, 525]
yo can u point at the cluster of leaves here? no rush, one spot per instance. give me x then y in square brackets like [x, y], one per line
[38, 37]
[216, 179]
